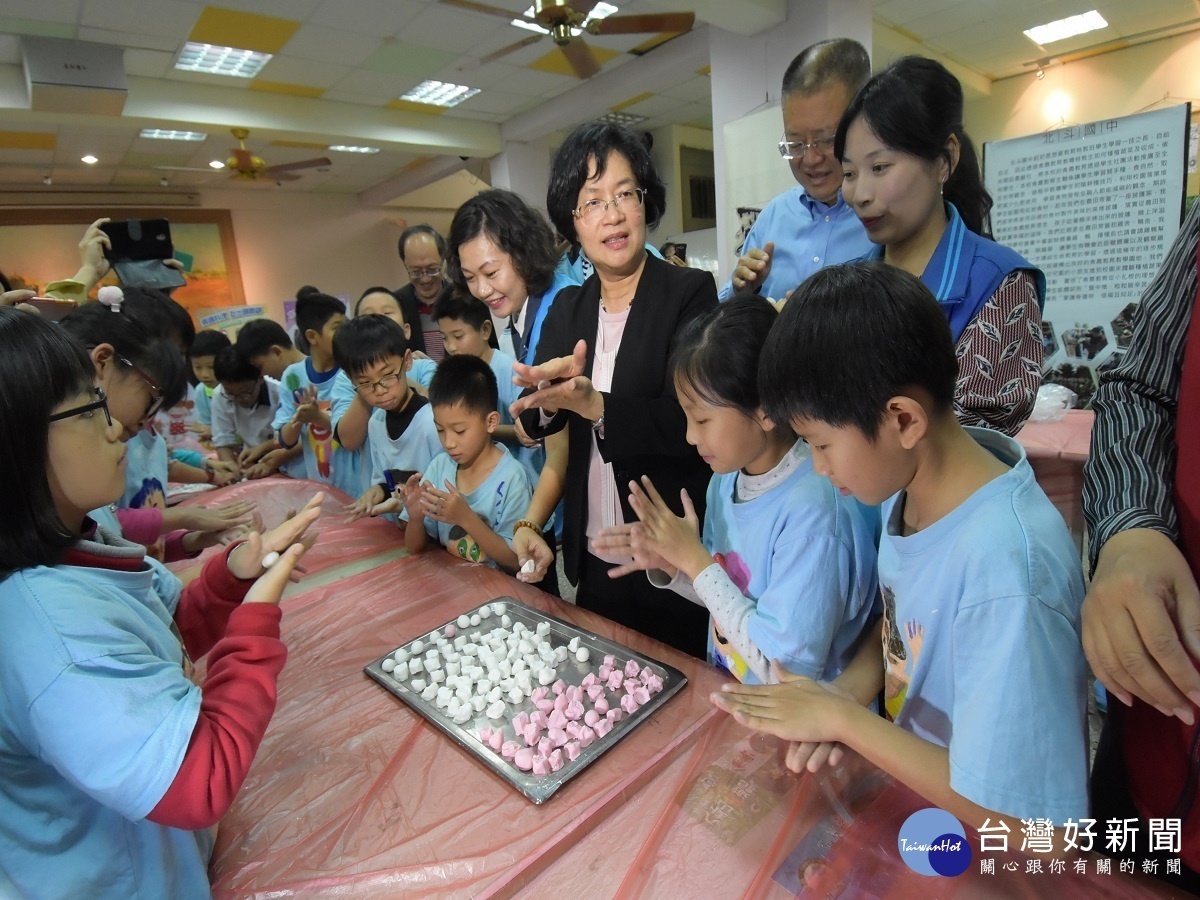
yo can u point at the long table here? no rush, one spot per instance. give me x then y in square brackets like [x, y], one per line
[353, 794]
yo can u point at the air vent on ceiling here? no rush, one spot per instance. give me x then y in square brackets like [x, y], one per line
[74, 76]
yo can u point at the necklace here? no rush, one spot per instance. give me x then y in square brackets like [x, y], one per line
[604, 306]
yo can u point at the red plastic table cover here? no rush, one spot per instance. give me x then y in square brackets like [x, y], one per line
[337, 542]
[724, 810]
[1069, 438]
[352, 793]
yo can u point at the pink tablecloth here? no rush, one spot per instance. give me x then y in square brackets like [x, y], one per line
[1057, 452]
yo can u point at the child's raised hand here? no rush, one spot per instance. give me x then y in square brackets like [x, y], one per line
[626, 540]
[414, 491]
[289, 539]
[364, 504]
[675, 539]
[448, 506]
[796, 709]
[307, 409]
[220, 518]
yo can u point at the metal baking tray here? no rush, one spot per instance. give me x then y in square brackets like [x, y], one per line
[537, 788]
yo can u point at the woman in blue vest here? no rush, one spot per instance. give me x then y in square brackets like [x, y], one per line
[503, 252]
[912, 176]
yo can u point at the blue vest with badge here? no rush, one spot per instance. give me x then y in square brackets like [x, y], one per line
[966, 270]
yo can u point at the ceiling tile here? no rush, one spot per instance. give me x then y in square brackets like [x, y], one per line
[29, 157]
[128, 39]
[963, 16]
[371, 17]
[398, 58]
[284, 9]
[901, 12]
[81, 174]
[554, 61]
[452, 29]
[28, 140]
[303, 72]
[696, 89]
[247, 31]
[44, 10]
[148, 63]
[531, 82]
[331, 45]
[495, 102]
[162, 18]
[12, 25]
[381, 85]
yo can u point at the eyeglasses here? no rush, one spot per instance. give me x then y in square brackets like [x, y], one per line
[250, 394]
[427, 272]
[625, 201]
[386, 383]
[156, 396]
[797, 149]
[101, 402]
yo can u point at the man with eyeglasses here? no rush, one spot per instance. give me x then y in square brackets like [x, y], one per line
[422, 250]
[809, 226]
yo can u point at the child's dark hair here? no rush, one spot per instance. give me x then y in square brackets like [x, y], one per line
[512, 225]
[208, 343]
[571, 168]
[313, 310]
[850, 338]
[41, 366]
[230, 365]
[365, 341]
[716, 357]
[462, 308]
[139, 334]
[914, 106]
[258, 336]
[467, 380]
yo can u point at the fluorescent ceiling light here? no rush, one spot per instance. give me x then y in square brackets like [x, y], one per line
[1065, 28]
[439, 93]
[347, 148]
[215, 60]
[599, 11]
[622, 118]
[166, 134]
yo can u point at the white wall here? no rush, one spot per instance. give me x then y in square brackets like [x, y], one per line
[665, 153]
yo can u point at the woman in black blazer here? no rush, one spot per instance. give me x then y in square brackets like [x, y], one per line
[605, 349]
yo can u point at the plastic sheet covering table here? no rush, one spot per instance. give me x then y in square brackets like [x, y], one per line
[724, 817]
[354, 794]
[337, 543]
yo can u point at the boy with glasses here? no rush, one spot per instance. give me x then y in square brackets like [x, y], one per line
[401, 436]
[243, 407]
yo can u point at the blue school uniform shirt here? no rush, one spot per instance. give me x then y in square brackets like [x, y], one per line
[203, 401]
[966, 270]
[805, 555]
[325, 459]
[422, 372]
[413, 450]
[808, 236]
[500, 501]
[981, 639]
[95, 717]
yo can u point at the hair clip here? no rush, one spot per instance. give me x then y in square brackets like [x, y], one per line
[111, 296]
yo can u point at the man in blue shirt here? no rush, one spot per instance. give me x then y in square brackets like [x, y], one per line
[809, 226]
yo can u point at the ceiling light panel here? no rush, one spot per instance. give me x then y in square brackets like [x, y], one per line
[166, 134]
[349, 148]
[213, 60]
[439, 93]
[1062, 29]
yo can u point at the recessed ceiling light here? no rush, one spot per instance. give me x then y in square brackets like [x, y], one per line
[347, 148]
[622, 118]
[89, 159]
[439, 93]
[216, 164]
[215, 60]
[599, 11]
[166, 134]
[1065, 28]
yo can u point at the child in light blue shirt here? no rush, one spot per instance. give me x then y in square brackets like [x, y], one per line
[474, 493]
[981, 667]
[785, 565]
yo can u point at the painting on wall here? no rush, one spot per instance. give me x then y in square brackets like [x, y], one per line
[38, 246]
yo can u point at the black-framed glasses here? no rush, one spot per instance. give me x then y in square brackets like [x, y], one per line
[386, 383]
[251, 394]
[427, 272]
[797, 149]
[101, 402]
[156, 395]
[625, 201]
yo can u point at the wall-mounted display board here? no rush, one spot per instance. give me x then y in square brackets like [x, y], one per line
[1096, 207]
